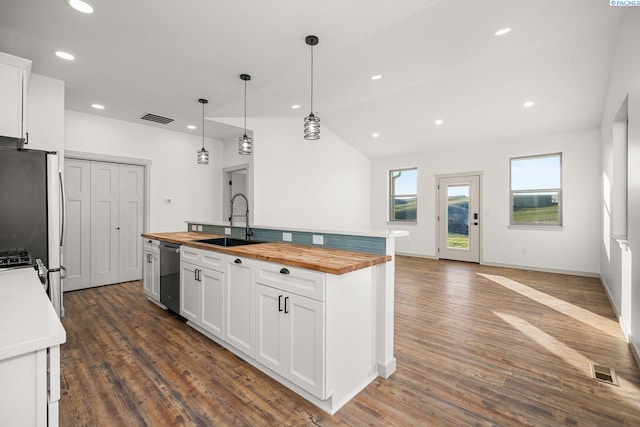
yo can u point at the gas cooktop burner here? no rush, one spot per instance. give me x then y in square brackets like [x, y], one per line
[15, 258]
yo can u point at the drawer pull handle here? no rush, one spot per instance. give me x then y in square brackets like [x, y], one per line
[238, 261]
[284, 271]
[279, 302]
[285, 305]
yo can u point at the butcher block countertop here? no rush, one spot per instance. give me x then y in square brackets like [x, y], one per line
[326, 260]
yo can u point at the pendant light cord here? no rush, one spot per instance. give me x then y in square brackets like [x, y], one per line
[203, 125]
[312, 80]
[245, 107]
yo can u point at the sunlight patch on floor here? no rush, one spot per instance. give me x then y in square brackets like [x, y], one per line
[601, 323]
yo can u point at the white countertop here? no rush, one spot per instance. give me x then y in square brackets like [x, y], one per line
[388, 234]
[28, 321]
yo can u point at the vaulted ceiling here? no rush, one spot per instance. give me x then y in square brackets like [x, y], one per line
[439, 59]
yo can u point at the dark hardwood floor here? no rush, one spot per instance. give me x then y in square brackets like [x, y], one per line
[475, 345]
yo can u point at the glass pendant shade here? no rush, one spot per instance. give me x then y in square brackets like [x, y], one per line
[311, 127]
[203, 155]
[245, 145]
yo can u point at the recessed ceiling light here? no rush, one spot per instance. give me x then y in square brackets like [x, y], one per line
[64, 55]
[80, 6]
[528, 104]
[502, 32]
[295, 107]
[376, 77]
[375, 135]
[438, 122]
[192, 127]
[98, 106]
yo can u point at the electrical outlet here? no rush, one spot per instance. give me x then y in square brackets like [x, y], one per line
[524, 251]
[318, 240]
[168, 200]
[227, 231]
[194, 227]
[287, 237]
[199, 228]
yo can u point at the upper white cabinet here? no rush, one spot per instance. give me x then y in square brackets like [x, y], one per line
[14, 76]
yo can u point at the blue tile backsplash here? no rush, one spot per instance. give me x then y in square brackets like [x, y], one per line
[368, 244]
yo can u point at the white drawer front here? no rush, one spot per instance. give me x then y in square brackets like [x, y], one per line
[152, 245]
[189, 254]
[203, 258]
[298, 281]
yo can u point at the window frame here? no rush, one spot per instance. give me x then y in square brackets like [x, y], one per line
[513, 192]
[392, 196]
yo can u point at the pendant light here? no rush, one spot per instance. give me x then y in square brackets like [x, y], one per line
[203, 155]
[311, 122]
[245, 145]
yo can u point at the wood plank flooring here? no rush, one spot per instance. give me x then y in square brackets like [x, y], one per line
[475, 345]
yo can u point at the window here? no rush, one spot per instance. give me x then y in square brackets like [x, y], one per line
[536, 190]
[403, 195]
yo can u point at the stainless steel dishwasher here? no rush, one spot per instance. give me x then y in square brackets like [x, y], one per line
[170, 276]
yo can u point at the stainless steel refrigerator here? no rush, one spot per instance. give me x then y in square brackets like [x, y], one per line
[32, 216]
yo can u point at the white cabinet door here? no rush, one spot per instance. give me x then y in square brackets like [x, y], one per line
[290, 337]
[239, 328]
[190, 292]
[77, 239]
[305, 343]
[151, 275]
[269, 341]
[212, 301]
[13, 87]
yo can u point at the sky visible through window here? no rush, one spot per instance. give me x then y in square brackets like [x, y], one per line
[535, 173]
[407, 182]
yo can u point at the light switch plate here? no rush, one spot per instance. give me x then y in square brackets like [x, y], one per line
[318, 240]
[227, 231]
[287, 237]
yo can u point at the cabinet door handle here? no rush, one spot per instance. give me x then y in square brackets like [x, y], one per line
[238, 261]
[279, 302]
[195, 274]
[284, 271]
[285, 305]
[199, 275]
[149, 258]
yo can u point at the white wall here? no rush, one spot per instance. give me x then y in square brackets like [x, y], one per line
[623, 282]
[195, 189]
[317, 185]
[45, 113]
[572, 249]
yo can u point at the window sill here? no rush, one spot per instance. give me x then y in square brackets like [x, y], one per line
[536, 227]
[402, 223]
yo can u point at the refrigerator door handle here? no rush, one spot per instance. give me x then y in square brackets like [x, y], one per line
[64, 208]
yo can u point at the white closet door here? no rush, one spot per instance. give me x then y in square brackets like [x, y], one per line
[77, 251]
[105, 190]
[131, 209]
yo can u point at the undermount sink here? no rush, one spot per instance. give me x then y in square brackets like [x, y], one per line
[228, 241]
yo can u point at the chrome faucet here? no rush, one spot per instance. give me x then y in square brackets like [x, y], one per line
[248, 233]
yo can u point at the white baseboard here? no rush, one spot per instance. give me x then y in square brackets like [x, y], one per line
[415, 255]
[542, 269]
[635, 351]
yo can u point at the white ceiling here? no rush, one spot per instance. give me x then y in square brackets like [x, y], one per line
[439, 60]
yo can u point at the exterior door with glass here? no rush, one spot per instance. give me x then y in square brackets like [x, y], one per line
[459, 218]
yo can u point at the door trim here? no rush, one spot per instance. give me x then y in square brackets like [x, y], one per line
[480, 175]
[146, 163]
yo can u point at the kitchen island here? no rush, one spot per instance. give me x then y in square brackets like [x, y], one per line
[30, 339]
[306, 316]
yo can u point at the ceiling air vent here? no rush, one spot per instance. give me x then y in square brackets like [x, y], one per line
[156, 118]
